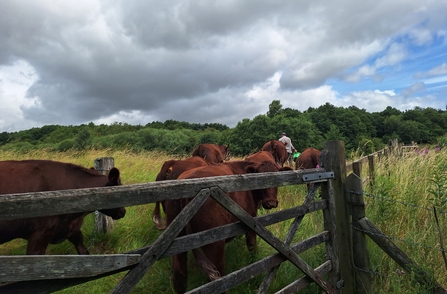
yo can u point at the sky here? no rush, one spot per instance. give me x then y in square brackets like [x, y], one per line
[74, 62]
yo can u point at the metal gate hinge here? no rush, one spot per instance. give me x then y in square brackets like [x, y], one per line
[318, 176]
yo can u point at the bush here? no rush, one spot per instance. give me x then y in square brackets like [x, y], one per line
[65, 145]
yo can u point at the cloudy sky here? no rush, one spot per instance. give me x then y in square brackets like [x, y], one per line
[73, 62]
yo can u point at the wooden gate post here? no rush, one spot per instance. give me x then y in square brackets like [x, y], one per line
[334, 159]
[103, 223]
[354, 185]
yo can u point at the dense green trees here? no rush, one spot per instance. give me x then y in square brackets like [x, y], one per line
[356, 127]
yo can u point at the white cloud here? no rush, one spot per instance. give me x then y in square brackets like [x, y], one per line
[14, 82]
[395, 54]
[438, 70]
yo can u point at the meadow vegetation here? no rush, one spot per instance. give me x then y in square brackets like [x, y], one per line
[400, 203]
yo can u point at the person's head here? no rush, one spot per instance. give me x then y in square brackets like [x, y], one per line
[283, 134]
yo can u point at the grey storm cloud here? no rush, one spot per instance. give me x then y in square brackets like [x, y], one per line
[184, 60]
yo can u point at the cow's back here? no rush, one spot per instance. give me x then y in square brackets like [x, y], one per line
[171, 169]
[45, 175]
[210, 152]
[277, 149]
[261, 156]
[308, 159]
[223, 169]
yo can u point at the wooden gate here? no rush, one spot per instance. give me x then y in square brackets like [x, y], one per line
[45, 274]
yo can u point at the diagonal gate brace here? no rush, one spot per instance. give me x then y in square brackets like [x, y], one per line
[223, 199]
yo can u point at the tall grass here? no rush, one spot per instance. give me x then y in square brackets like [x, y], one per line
[401, 204]
[416, 181]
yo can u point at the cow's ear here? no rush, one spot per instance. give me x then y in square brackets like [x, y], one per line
[251, 169]
[114, 176]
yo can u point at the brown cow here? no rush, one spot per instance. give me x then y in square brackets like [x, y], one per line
[211, 215]
[308, 159]
[278, 150]
[170, 170]
[45, 175]
[203, 155]
[212, 153]
[261, 156]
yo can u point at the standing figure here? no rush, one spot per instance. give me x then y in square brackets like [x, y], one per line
[289, 147]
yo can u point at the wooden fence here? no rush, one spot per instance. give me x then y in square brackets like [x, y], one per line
[46, 274]
[355, 183]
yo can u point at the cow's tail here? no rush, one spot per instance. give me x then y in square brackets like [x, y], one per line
[165, 170]
[206, 265]
[159, 222]
[315, 161]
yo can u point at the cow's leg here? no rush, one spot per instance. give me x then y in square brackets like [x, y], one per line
[180, 272]
[250, 239]
[38, 243]
[77, 239]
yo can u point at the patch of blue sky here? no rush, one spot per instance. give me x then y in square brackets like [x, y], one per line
[422, 64]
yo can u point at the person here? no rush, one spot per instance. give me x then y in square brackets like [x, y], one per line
[289, 147]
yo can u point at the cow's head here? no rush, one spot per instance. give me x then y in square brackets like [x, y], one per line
[114, 180]
[267, 197]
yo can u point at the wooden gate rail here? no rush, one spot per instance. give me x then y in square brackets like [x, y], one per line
[37, 267]
[24, 205]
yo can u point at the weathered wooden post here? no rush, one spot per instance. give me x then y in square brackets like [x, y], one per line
[371, 170]
[357, 168]
[103, 223]
[333, 159]
[354, 185]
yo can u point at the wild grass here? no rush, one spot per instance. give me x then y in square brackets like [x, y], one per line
[400, 204]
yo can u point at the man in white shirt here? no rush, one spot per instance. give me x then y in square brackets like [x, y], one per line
[289, 147]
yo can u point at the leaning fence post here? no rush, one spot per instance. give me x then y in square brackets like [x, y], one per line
[335, 160]
[354, 185]
[371, 170]
[103, 223]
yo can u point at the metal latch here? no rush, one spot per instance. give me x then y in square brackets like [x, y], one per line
[318, 176]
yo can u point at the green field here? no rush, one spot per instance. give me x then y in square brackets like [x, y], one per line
[400, 203]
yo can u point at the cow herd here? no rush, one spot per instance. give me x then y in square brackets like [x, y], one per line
[207, 160]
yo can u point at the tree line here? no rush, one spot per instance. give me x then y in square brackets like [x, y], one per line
[360, 130]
